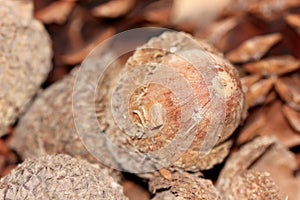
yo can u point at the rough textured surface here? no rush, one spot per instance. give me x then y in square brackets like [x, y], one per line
[25, 62]
[59, 177]
[48, 125]
[169, 50]
[253, 185]
[166, 195]
[281, 164]
[236, 181]
[183, 186]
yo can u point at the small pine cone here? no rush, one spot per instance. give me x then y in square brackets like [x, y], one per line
[59, 177]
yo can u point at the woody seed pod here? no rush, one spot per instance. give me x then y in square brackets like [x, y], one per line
[173, 101]
[59, 177]
[25, 59]
[48, 126]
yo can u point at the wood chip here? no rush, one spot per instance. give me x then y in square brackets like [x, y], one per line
[253, 48]
[75, 28]
[159, 13]
[113, 8]
[273, 66]
[198, 12]
[269, 10]
[240, 161]
[292, 116]
[271, 97]
[294, 21]
[269, 121]
[288, 89]
[78, 56]
[238, 7]
[166, 174]
[281, 128]
[57, 12]
[218, 30]
[257, 93]
[248, 81]
[252, 127]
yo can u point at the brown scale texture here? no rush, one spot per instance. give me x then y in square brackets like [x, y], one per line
[239, 181]
[253, 185]
[25, 62]
[48, 126]
[59, 177]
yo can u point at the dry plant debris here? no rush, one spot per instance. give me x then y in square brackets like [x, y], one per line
[270, 9]
[292, 116]
[113, 9]
[25, 63]
[248, 51]
[183, 186]
[50, 14]
[273, 66]
[261, 37]
[267, 10]
[257, 92]
[237, 181]
[294, 21]
[48, 126]
[78, 56]
[259, 123]
[204, 12]
[288, 89]
[59, 177]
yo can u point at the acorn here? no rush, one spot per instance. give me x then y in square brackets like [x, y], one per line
[173, 105]
[25, 62]
[59, 177]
